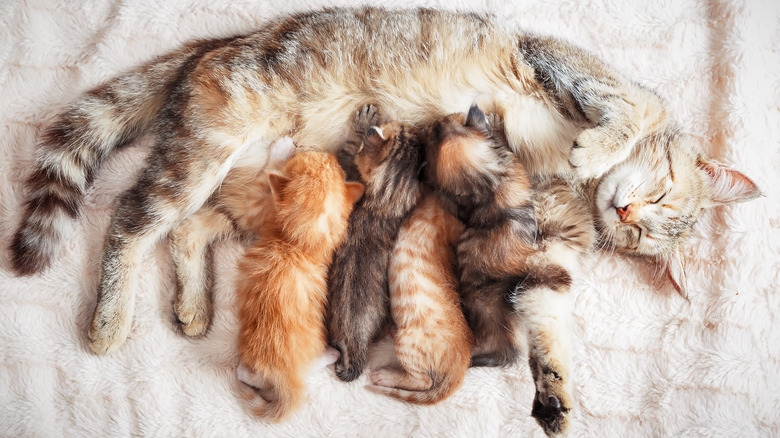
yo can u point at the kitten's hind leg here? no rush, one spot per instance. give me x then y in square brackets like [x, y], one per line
[167, 192]
[491, 319]
[190, 244]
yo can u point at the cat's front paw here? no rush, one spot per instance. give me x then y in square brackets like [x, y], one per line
[552, 403]
[593, 154]
[366, 117]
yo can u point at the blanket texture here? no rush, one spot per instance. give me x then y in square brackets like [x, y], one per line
[646, 362]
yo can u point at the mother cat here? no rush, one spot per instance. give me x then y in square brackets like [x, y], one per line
[216, 105]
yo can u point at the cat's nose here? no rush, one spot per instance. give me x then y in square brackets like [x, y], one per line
[623, 212]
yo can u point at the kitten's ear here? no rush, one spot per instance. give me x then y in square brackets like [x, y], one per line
[725, 185]
[477, 119]
[277, 182]
[675, 271]
[374, 138]
[354, 192]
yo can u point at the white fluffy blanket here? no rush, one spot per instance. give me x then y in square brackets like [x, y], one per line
[646, 362]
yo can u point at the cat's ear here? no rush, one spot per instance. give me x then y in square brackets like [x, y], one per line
[354, 191]
[277, 182]
[674, 266]
[477, 119]
[725, 185]
[375, 137]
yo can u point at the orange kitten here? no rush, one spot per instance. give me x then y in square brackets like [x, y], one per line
[433, 342]
[283, 292]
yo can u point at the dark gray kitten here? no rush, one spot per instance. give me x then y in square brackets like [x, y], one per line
[388, 161]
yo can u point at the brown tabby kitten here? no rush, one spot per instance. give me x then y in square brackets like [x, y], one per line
[388, 161]
[489, 191]
[217, 104]
[433, 340]
[282, 293]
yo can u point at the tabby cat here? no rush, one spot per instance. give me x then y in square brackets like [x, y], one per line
[219, 103]
[388, 161]
[282, 292]
[432, 340]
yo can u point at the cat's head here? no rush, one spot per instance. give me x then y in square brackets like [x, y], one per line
[648, 204]
[311, 198]
[466, 158]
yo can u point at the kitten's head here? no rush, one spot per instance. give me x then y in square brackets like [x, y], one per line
[312, 200]
[389, 159]
[465, 158]
[648, 204]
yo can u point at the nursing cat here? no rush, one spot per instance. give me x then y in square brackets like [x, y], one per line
[215, 104]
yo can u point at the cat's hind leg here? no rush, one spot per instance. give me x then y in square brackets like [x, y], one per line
[175, 183]
[190, 244]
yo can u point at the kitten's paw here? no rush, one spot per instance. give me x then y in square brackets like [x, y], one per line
[366, 117]
[281, 150]
[348, 370]
[193, 315]
[329, 357]
[495, 121]
[108, 330]
[591, 155]
[552, 404]
[384, 377]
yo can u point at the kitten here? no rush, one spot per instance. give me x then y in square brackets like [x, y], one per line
[433, 340]
[388, 160]
[490, 192]
[282, 293]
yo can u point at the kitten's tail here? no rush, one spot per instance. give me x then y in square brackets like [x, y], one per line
[444, 384]
[72, 149]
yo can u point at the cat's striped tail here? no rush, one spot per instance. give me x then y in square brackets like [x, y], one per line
[76, 144]
[443, 385]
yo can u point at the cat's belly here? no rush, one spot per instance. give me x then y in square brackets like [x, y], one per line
[537, 133]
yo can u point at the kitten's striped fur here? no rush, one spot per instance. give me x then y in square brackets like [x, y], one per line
[433, 340]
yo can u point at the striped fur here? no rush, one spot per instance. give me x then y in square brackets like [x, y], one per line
[433, 340]
[217, 105]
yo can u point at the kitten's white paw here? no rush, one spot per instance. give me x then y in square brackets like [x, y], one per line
[281, 150]
[244, 375]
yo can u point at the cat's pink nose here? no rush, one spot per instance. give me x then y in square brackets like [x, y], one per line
[623, 212]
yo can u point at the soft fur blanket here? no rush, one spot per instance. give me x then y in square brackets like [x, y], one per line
[646, 362]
